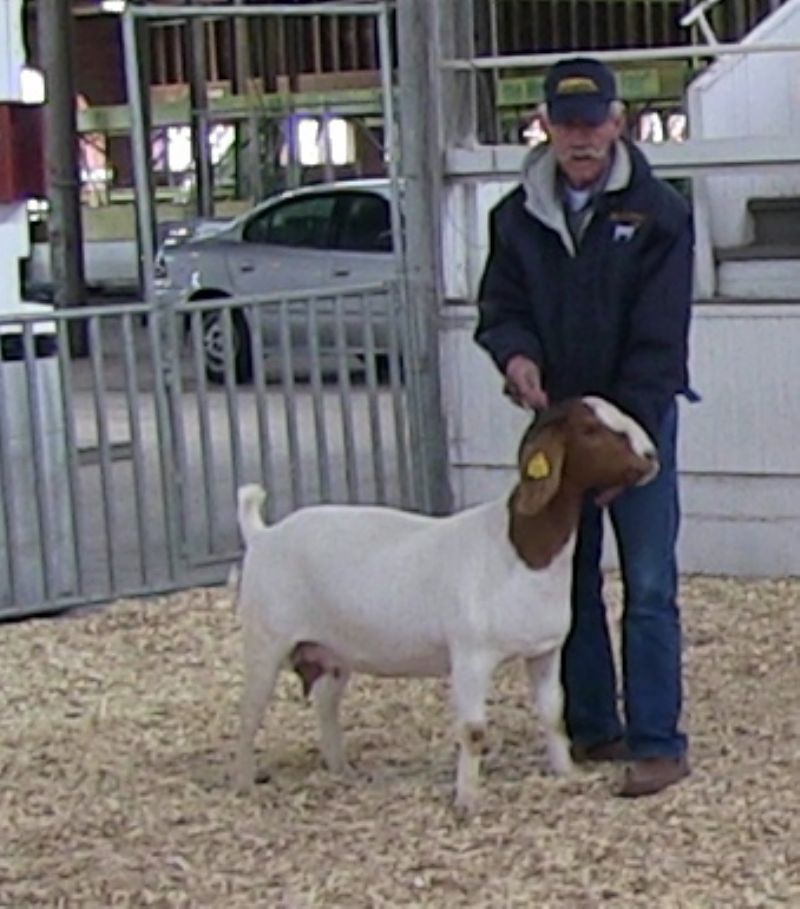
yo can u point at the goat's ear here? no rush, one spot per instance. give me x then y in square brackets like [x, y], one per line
[541, 466]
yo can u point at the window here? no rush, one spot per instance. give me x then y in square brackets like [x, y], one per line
[366, 224]
[300, 222]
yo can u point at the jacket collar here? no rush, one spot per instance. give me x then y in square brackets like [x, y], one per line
[542, 200]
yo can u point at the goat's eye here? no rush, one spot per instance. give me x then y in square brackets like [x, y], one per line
[591, 429]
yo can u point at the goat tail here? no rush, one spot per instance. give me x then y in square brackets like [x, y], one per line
[251, 499]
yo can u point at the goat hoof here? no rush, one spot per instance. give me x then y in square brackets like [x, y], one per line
[342, 770]
[242, 786]
[463, 809]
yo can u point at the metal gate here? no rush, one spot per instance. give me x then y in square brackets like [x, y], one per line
[119, 469]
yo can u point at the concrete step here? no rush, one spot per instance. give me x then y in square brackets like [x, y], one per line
[756, 274]
[776, 220]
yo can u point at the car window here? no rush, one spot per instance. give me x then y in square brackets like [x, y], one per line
[364, 223]
[300, 222]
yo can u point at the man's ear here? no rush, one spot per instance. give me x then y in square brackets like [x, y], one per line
[541, 465]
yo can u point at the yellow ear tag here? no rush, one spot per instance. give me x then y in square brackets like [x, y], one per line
[538, 467]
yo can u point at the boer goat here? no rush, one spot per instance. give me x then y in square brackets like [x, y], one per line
[341, 589]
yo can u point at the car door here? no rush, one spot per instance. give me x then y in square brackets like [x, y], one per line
[361, 254]
[285, 247]
[361, 245]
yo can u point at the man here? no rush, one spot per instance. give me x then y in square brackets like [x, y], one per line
[587, 290]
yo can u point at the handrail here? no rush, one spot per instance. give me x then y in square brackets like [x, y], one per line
[697, 16]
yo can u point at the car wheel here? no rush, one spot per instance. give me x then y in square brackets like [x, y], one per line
[214, 347]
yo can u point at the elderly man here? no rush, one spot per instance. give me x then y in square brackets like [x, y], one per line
[587, 290]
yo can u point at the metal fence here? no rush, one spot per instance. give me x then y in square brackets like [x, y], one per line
[119, 468]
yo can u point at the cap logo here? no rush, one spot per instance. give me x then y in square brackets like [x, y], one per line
[576, 85]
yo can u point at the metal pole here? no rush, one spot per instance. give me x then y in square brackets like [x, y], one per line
[198, 104]
[254, 10]
[54, 27]
[140, 148]
[418, 80]
[248, 157]
[621, 55]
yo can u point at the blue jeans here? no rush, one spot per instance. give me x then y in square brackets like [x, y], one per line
[645, 521]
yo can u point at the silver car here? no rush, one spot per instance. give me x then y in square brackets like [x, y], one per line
[328, 236]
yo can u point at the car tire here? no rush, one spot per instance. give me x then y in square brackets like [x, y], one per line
[214, 347]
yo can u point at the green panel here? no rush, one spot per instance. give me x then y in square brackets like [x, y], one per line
[353, 102]
[636, 84]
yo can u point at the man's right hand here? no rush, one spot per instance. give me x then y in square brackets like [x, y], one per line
[524, 383]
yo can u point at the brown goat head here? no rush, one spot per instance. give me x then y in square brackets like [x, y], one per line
[586, 442]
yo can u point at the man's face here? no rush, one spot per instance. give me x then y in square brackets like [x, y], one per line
[582, 150]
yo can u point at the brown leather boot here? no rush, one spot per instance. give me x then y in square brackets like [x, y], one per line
[648, 776]
[604, 751]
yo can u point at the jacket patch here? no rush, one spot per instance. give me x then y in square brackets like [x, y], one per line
[625, 224]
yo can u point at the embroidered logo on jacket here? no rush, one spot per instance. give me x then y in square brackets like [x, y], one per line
[625, 223]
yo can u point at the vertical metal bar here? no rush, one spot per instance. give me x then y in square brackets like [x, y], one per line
[317, 43]
[421, 85]
[198, 116]
[573, 23]
[171, 504]
[141, 153]
[373, 404]
[630, 23]
[290, 405]
[494, 39]
[648, 13]
[594, 37]
[393, 155]
[137, 448]
[232, 399]
[8, 485]
[73, 462]
[345, 398]
[665, 21]
[327, 151]
[611, 20]
[318, 405]
[555, 25]
[390, 142]
[536, 21]
[103, 446]
[396, 366]
[169, 366]
[262, 409]
[333, 36]
[206, 438]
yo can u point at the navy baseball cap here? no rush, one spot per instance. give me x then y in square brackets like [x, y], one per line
[580, 89]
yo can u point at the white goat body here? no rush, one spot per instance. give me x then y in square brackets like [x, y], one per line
[421, 585]
[386, 592]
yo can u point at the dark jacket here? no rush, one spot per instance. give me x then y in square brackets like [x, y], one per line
[607, 315]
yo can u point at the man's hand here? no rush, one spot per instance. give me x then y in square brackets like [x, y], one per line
[524, 383]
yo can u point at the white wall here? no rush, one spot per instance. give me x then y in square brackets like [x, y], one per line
[753, 96]
[739, 447]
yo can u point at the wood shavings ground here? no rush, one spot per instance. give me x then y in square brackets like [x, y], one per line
[116, 729]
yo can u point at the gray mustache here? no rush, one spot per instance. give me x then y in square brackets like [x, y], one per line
[586, 154]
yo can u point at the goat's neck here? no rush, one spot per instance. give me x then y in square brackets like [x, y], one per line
[539, 538]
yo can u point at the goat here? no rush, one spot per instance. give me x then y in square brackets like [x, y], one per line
[341, 589]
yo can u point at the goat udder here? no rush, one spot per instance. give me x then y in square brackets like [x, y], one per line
[311, 661]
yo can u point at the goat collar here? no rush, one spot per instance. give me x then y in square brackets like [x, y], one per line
[539, 538]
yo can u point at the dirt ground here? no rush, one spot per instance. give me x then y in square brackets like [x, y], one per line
[116, 729]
